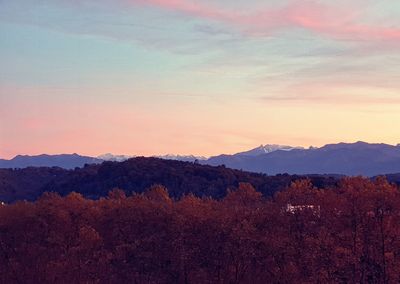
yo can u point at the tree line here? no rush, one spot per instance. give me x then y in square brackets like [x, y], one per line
[138, 174]
[304, 234]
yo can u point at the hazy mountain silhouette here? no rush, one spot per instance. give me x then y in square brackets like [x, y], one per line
[358, 158]
[67, 161]
[71, 161]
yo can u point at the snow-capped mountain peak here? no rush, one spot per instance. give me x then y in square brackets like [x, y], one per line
[114, 158]
[186, 158]
[268, 148]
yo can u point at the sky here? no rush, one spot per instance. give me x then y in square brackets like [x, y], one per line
[203, 77]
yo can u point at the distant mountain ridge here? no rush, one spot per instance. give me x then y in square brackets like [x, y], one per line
[121, 158]
[71, 161]
[358, 158]
[66, 161]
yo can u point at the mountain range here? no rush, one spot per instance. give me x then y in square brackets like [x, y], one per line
[358, 158]
[71, 161]
[66, 161]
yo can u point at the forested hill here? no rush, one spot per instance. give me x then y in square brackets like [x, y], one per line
[137, 175]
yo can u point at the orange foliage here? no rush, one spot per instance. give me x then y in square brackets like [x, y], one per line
[347, 234]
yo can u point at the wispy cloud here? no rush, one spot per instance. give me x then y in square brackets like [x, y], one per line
[341, 23]
[344, 100]
[146, 71]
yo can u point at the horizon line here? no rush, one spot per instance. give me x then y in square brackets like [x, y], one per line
[185, 155]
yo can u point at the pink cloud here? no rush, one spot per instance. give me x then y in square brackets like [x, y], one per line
[332, 21]
[192, 9]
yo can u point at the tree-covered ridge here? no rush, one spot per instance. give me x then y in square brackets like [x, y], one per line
[302, 235]
[136, 175]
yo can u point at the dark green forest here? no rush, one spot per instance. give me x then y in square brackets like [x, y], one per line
[138, 174]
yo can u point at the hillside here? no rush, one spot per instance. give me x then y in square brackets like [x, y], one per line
[138, 174]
